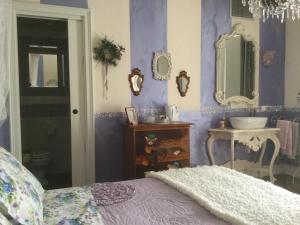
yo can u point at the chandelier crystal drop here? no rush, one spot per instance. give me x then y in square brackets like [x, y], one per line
[281, 9]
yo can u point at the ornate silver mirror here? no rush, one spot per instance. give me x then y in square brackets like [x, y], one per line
[183, 81]
[136, 80]
[161, 66]
[237, 75]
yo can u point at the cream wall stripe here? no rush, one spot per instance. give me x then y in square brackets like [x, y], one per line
[292, 65]
[112, 18]
[184, 44]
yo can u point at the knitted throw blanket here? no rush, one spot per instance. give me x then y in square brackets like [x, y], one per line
[235, 197]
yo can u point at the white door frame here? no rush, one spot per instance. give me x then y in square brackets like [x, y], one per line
[50, 11]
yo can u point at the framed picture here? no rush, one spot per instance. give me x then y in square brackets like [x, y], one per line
[131, 115]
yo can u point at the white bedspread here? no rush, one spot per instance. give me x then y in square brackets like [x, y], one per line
[235, 197]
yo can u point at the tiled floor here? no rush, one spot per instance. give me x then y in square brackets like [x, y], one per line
[287, 182]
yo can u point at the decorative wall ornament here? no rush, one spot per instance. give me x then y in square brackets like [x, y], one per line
[253, 141]
[108, 53]
[183, 81]
[267, 57]
[161, 66]
[136, 81]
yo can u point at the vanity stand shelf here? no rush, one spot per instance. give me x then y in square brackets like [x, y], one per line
[155, 147]
[254, 139]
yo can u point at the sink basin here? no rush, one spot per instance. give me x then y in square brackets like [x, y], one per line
[248, 122]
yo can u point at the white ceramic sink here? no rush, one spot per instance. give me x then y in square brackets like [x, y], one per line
[248, 122]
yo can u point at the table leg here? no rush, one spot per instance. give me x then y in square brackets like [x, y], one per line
[261, 156]
[262, 153]
[275, 154]
[232, 153]
[210, 141]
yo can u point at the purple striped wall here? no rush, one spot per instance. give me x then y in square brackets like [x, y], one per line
[148, 30]
[148, 34]
[216, 20]
[272, 37]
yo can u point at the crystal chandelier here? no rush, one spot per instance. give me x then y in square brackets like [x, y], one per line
[274, 8]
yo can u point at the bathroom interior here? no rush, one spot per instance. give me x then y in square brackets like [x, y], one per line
[45, 99]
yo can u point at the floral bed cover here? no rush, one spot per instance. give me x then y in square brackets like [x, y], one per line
[71, 206]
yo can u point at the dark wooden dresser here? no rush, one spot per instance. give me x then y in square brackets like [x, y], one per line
[154, 147]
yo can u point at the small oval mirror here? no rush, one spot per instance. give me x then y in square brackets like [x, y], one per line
[136, 80]
[162, 66]
[183, 81]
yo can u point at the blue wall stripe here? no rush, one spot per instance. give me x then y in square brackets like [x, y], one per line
[216, 20]
[272, 37]
[148, 26]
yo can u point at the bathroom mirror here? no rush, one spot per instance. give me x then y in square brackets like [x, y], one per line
[237, 76]
[43, 71]
[183, 81]
[161, 66]
[136, 81]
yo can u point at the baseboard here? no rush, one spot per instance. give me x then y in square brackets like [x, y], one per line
[248, 167]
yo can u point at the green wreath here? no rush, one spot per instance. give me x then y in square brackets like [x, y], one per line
[108, 52]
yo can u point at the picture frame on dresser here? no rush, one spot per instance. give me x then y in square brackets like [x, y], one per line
[132, 117]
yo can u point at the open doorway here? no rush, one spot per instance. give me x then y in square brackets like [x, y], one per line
[52, 127]
[45, 100]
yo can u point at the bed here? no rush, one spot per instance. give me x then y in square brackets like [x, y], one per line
[201, 195]
[154, 203]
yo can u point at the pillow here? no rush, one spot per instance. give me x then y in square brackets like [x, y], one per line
[21, 195]
[7, 158]
[4, 220]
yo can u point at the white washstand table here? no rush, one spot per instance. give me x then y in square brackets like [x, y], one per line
[254, 139]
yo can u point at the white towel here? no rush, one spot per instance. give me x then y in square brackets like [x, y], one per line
[295, 134]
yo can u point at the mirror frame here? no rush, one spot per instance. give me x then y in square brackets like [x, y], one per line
[135, 72]
[63, 69]
[183, 73]
[156, 74]
[238, 29]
